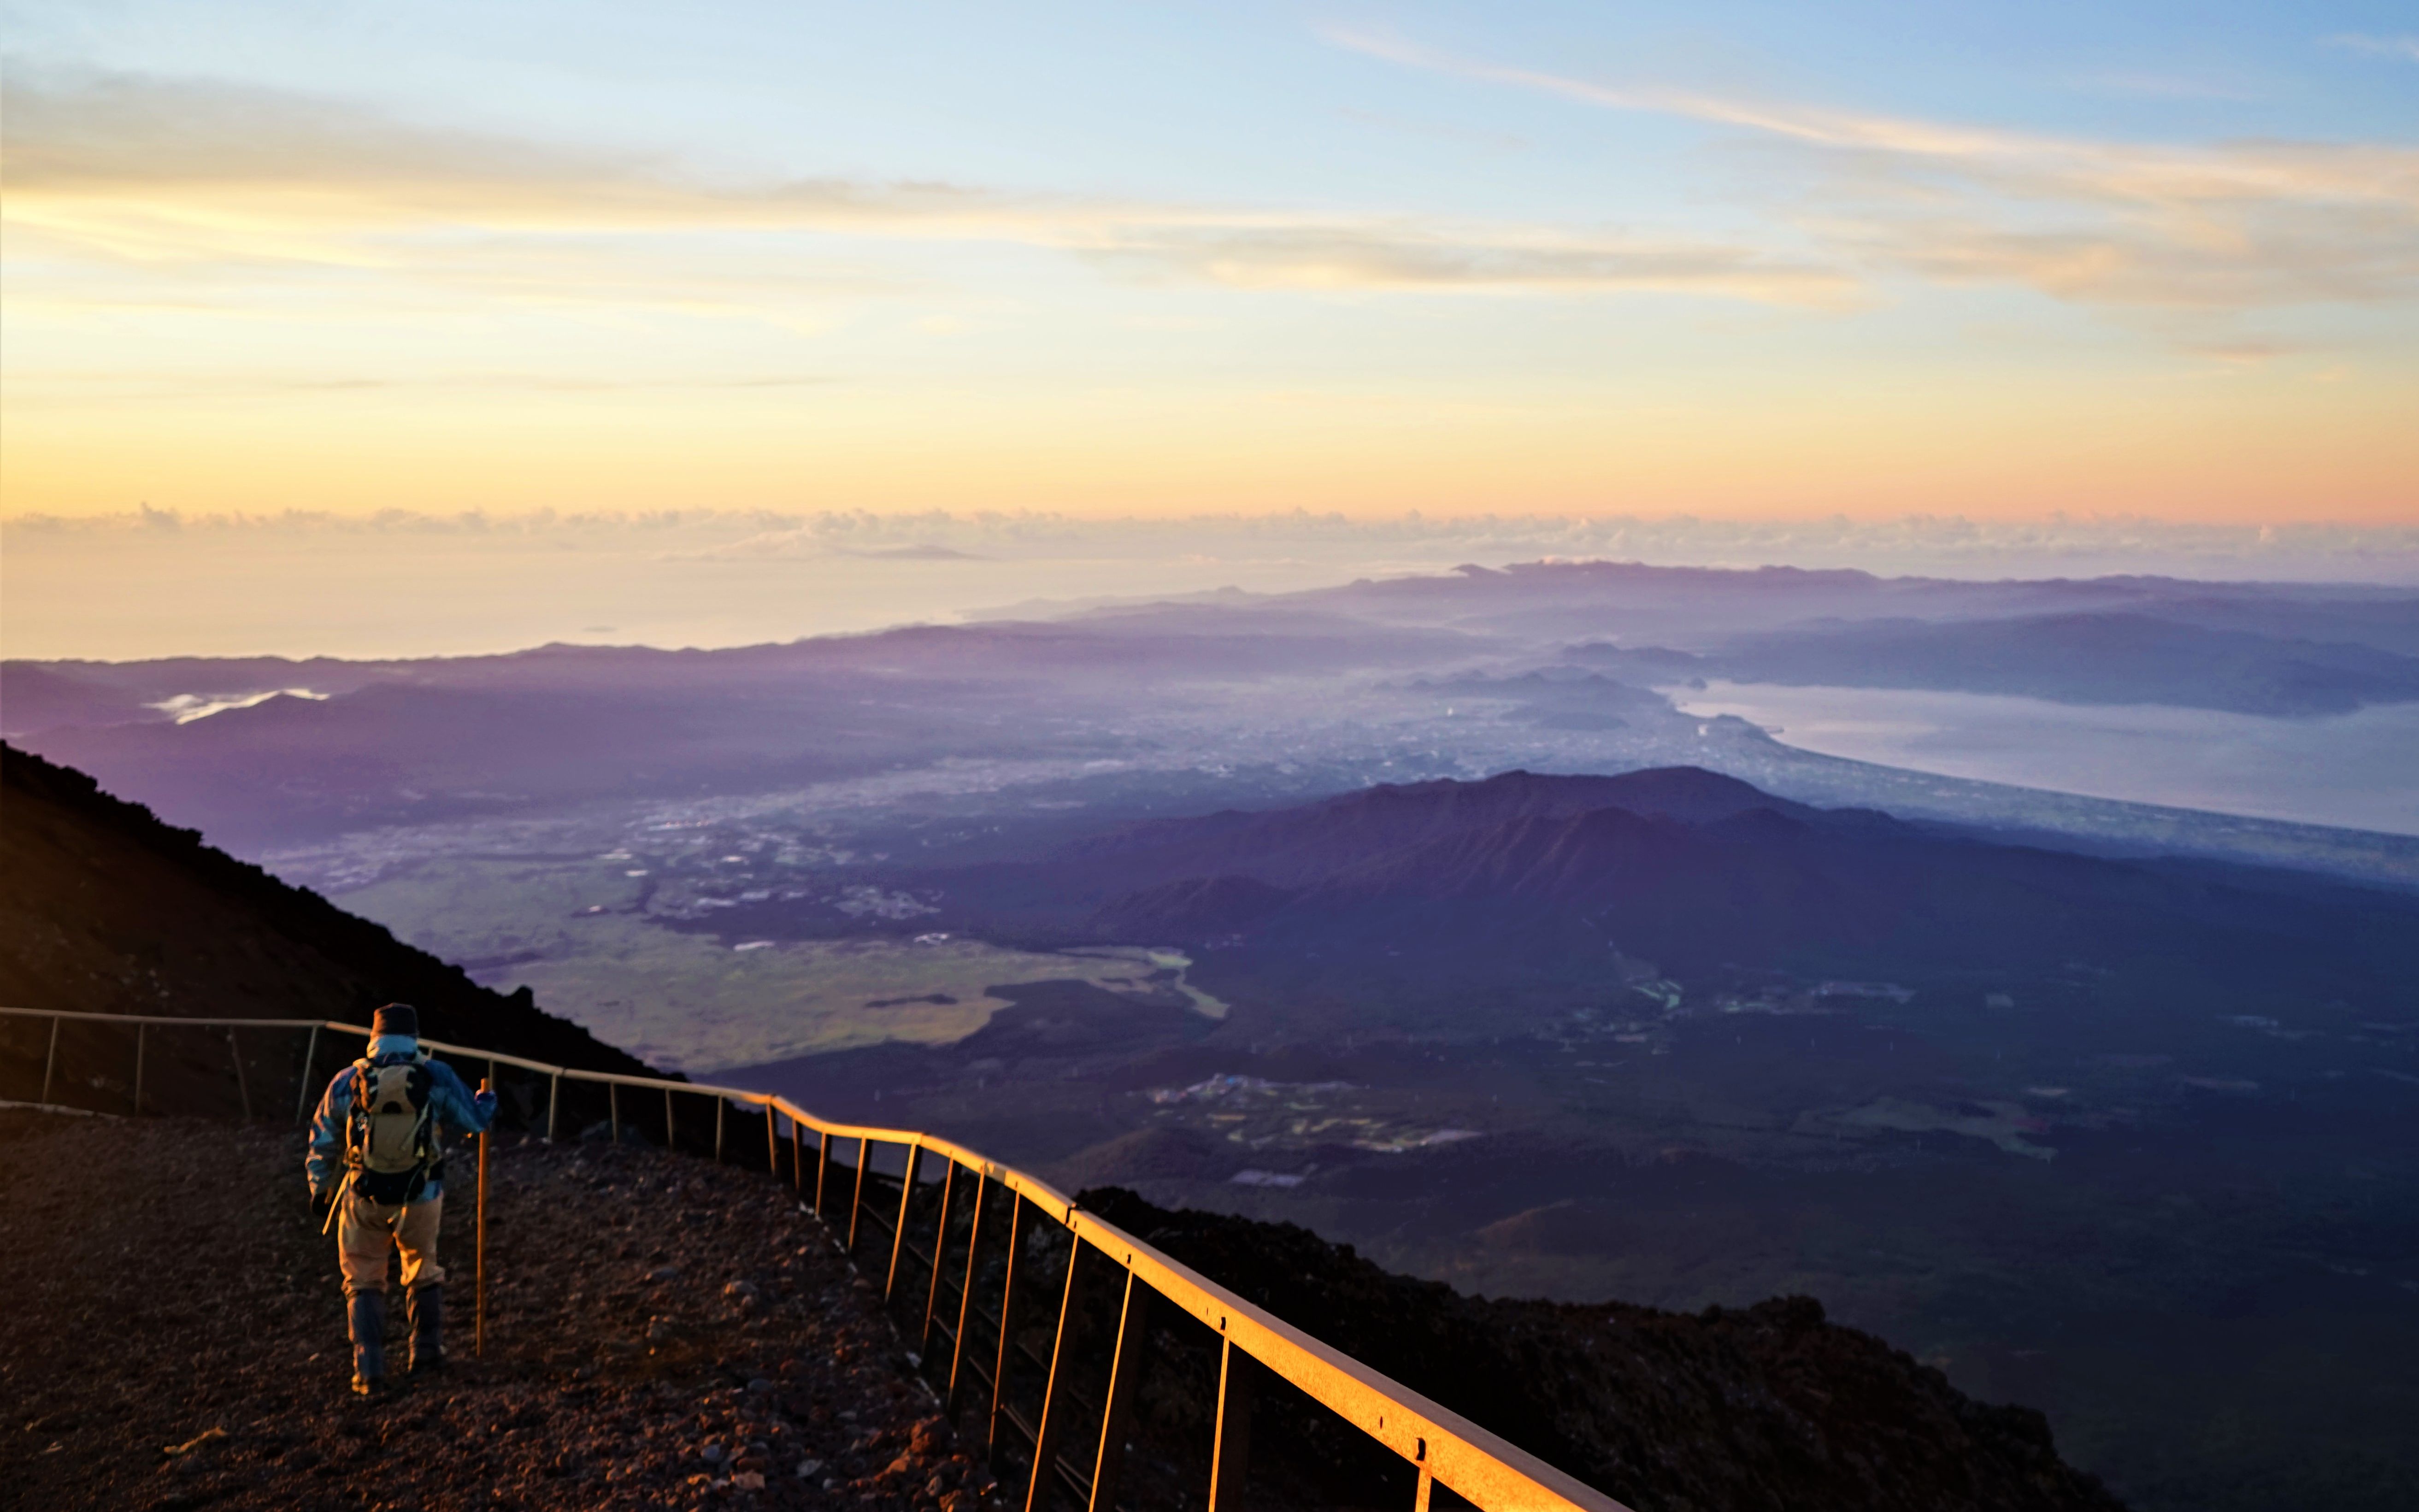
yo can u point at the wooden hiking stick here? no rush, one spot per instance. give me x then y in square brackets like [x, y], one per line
[479, 1273]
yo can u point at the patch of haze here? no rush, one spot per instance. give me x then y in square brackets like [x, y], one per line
[155, 583]
[2353, 769]
[187, 707]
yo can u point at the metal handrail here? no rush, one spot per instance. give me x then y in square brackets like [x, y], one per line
[1442, 1445]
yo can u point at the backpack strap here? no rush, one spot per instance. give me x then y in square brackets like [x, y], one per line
[357, 1118]
[423, 1091]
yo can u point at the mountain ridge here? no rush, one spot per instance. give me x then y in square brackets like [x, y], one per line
[1832, 1406]
[1681, 864]
[105, 909]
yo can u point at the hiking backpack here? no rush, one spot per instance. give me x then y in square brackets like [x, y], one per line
[390, 1137]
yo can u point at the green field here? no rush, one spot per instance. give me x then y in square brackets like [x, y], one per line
[570, 931]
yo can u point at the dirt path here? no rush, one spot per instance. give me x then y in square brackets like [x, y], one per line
[661, 1332]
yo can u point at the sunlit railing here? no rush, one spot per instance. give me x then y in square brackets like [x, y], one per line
[1454, 1461]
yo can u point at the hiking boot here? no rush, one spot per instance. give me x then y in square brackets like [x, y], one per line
[424, 1307]
[365, 1319]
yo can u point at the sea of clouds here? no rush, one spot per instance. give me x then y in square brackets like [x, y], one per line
[155, 582]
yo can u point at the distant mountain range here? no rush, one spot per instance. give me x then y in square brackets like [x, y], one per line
[1701, 606]
[1180, 706]
[2068, 658]
[1178, 640]
[415, 742]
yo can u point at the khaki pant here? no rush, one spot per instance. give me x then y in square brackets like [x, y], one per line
[367, 1231]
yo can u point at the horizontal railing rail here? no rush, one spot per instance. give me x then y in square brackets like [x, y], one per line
[1443, 1448]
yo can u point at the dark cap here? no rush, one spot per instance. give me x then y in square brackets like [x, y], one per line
[396, 1018]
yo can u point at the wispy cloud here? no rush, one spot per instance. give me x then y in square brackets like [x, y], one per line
[2405, 48]
[203, 179]
[219, 385]
[1409, 257]
[2219, 228]
[2246, 351]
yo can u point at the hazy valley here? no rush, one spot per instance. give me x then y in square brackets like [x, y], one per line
[1231, 900]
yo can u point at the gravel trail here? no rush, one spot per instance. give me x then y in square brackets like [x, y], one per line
[661, 1332]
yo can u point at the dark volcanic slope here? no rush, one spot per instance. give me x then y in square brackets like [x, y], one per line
[104, 909]
[1692, 869]
[605, 1384]
[1316, 841]
[1769, 1408]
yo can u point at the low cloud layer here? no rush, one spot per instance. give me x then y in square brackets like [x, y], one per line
[1947, 544]
[157, 583]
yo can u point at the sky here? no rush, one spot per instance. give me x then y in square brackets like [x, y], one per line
[1750, 262]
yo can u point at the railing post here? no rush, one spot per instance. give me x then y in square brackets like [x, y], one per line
[50, 1061]
[310, 1058]
[1427, 1484]
[1007, 1321]
[721, 1115]
[1230, 1445]
[138, 1070]
[553, 1102]
[479, 1273]
[823, 1167]
[966, 1297]
[899, 1234]
[1125, 1366]
[797, 1156]
[1054, 1411]
[242, 1091]
[772, 1141]
[940, 1249]
[613, 1108]
[856, 1202]
[671, 1144]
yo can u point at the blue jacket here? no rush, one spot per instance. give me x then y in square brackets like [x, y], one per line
[451, 1104]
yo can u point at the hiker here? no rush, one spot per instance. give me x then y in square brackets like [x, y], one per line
[377, 1168]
